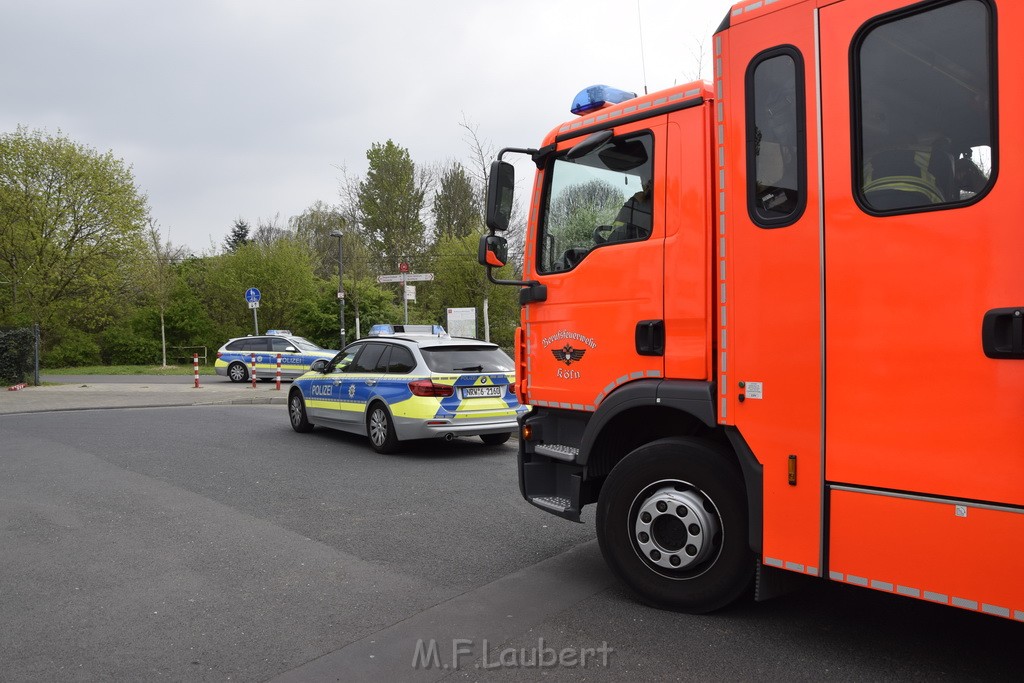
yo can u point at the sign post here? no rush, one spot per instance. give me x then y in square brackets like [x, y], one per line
[252, 295]
[404, 277]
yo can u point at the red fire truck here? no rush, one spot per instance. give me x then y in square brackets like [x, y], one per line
[773, 324]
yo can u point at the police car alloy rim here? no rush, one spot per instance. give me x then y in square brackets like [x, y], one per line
[379, 426]
[675, 529]
[295, 410]
[237, 372]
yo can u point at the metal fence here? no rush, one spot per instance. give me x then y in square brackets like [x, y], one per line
[183, 354]
[19, 355]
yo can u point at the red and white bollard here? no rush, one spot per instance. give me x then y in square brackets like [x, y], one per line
[278, 380]
[195, 368]
[253, 373]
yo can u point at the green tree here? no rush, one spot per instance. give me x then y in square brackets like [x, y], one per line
[239, 235]
[313, 228]
[282, 272]
[456, 204]
[318, 319]
[71, 220]
[391, 201]
[459, 282]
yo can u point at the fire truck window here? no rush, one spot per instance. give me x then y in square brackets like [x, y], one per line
[924, 100]
[600, 199]
[775, 138]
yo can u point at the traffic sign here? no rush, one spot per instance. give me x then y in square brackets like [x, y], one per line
[403, 267]
[407, 277]
[254, 304]
[252, 295]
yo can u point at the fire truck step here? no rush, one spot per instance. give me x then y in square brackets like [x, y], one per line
[551, 502]
[559, 452]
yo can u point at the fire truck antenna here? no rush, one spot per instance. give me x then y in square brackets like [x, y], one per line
[640, 27]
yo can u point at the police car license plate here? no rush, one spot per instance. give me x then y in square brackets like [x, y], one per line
[481, 392]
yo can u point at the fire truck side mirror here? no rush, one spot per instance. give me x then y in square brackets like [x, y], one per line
[493, 251]
[500, 188]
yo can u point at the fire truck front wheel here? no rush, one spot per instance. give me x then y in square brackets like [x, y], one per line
[672, 524]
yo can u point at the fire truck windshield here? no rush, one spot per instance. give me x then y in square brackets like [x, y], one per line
[600, 197]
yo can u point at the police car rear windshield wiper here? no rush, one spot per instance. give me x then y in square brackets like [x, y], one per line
[471, 368]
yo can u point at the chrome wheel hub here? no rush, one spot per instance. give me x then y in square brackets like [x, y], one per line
[675, 528]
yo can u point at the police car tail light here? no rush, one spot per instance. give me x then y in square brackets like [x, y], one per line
[512, 389]
[426, 387]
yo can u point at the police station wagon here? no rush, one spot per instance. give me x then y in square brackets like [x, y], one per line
[298, 355]
[403, 387]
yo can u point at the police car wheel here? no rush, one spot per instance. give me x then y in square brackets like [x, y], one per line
[380, 429]
[297, 413]
[495, 439]
[237, 372]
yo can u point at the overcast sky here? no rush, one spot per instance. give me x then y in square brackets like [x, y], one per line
[250, 108]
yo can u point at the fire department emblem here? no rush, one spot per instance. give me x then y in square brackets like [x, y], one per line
[567, 354]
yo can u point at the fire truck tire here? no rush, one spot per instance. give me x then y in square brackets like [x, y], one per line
[672, 524]
[297, 413]
[237, 372]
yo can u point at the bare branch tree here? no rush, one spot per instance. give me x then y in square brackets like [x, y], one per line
[159, 275]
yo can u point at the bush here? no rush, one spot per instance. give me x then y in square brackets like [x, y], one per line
[122, 346]
[75, 349]
[17, 348]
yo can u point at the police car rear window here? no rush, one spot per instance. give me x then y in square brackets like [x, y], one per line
[401, 361]
[466, 359]
[254, 344]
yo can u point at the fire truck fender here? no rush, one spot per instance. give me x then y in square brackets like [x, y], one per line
[753, 479]
[691, 397]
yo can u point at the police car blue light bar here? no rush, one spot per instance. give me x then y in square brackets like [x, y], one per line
[597, 97]
[381, 330]
[280, 333]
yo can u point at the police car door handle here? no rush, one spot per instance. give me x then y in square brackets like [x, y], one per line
[370, 382]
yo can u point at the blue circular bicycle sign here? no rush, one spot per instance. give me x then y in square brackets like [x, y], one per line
[252, 295]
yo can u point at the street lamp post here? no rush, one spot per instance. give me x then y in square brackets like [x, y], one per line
[341, 291]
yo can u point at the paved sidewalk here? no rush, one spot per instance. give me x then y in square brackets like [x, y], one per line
[140, 393]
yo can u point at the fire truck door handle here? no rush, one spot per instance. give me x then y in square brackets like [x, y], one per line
[1002, 333]
[650, 338]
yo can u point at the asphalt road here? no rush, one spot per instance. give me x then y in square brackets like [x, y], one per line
[213, 543]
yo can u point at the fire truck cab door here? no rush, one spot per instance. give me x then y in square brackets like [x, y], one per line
[923, 243]
[599, 251]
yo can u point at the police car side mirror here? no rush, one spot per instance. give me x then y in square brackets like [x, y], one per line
[291, 349]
